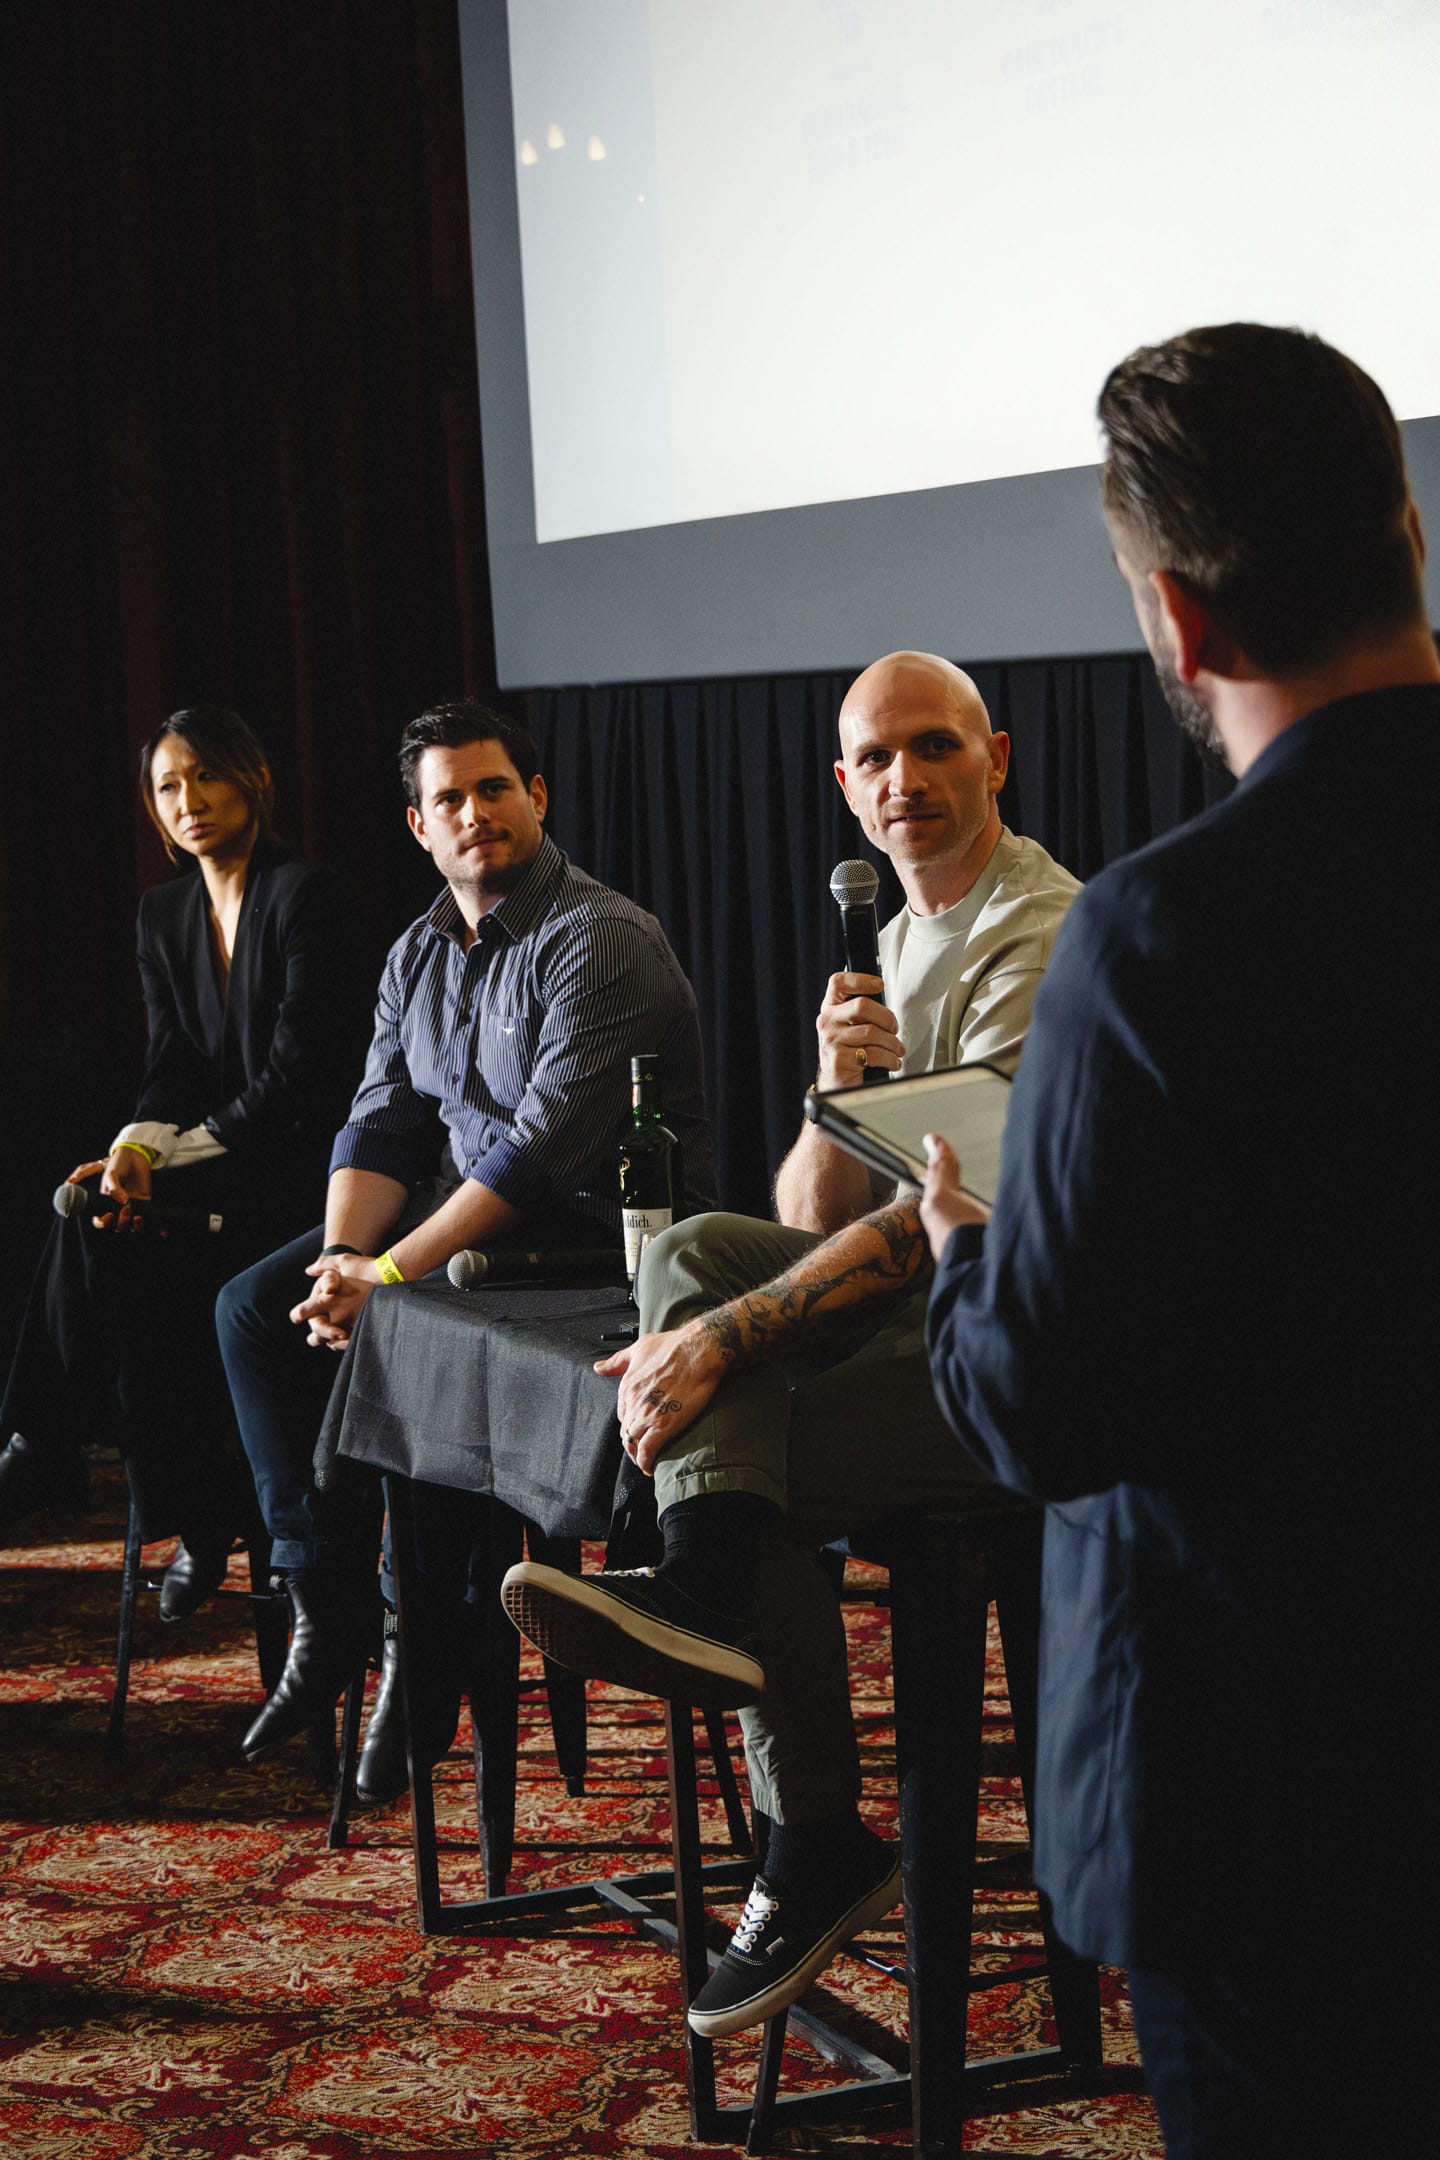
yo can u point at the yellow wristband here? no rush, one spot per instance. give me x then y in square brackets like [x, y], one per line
[151, 1155]
[388, 1270]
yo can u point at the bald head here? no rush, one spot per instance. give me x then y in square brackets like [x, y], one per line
[921, 768]
[916, 677]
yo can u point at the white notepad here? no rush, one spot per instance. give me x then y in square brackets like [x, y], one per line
[886, 1126]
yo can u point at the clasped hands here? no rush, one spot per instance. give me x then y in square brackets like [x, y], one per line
[343, 1281]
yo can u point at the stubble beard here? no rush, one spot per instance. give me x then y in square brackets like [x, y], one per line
[484, 880]
[1194, 719]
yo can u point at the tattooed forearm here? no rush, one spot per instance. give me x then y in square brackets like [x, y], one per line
[882, 1255]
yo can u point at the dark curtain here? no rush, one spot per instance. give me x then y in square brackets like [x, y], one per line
[241, 452]
[715, 805]
[240, 446]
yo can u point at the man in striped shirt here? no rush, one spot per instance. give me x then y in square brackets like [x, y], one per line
[496, 1084]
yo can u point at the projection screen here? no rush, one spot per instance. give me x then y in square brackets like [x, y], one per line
[791, 313]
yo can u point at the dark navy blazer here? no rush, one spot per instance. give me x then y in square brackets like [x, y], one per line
[1202, 1326]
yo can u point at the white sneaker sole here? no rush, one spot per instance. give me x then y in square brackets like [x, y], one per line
[588, 1630]
[789, 1987]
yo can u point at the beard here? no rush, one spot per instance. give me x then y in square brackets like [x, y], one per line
[1194, 718]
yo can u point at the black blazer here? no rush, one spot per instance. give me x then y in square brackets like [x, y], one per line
[1201, 1325]
[271, 1068]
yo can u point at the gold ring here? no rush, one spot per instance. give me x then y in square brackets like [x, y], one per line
[862, 1057]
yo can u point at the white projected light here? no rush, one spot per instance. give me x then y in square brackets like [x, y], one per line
[802, 251]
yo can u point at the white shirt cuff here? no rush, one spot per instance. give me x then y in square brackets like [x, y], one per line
[173, 1150]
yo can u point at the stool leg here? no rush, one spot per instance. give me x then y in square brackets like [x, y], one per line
[741, 1837]
[270, 1612]
[767, 2083]
[495, 1698]
[689, 1914]
[129, 1592]
[565, 1695]
[320, 1750]
[349, 1763]
[1074, 1981]
[399, 1506]
[564, 1691]
[939, 1604]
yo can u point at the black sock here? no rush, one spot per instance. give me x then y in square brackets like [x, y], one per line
[710, 1545]
[814, 1855]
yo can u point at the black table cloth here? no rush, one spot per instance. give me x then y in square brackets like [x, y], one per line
[490, 1391]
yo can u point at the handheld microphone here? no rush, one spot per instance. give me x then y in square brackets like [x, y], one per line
[853, 886]
[473, 1270]
[164, 1214]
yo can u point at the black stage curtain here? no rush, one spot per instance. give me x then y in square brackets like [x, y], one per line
[242, 463]
[241, 453]
[715, 805]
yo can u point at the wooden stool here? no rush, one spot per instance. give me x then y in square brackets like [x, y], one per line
[944, 1572]
[493, 1688]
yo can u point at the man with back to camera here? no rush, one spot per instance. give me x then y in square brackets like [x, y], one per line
[506, 1021]
[1200, 1321]
[781, 1369]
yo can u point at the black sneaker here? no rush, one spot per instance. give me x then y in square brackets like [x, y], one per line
[784, 1942]
[636, 1628]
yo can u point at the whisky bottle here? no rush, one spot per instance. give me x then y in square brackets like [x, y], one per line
[647, 1163]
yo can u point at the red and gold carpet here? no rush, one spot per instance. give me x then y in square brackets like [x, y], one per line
[187, 1974]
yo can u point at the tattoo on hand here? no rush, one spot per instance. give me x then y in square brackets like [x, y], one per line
[662, 1404]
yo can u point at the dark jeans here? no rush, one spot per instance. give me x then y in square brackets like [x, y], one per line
[1308, 2053]
[279, 1387]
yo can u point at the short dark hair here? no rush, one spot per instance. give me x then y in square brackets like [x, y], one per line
[1264, 469]
[464, 720]
[220, 739]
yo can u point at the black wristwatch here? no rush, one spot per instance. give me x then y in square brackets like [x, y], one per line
[331, 1249]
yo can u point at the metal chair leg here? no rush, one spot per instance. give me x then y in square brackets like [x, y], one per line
[129, 1593]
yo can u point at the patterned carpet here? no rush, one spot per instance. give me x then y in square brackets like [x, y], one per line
[185, 1971]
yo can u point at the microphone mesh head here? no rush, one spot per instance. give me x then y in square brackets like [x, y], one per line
[468, 1268]
[854, 884]
[71, 1199]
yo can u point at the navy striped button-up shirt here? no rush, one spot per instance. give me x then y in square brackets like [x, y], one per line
[518, 1051]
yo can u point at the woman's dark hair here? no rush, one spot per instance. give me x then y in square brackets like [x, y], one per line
[465, 720]
[220, 739]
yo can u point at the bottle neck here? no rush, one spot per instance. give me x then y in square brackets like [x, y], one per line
[645, 1105]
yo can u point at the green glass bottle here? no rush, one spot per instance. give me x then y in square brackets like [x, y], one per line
[647, 1162]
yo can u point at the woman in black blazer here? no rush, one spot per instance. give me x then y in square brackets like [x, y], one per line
[258, 1026]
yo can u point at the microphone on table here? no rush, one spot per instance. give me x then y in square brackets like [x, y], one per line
[475, 1270]
[853, 886]
[164, 1214]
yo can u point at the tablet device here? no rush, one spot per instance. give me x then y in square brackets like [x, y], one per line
[886, 1126]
